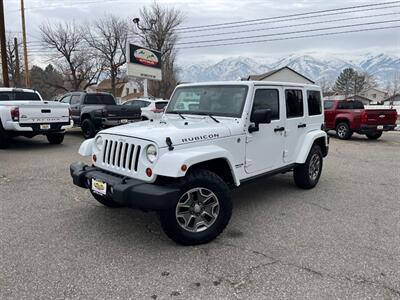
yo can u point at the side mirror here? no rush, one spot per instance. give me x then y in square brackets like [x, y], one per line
[260, 116]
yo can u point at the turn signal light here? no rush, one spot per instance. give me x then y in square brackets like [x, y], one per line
[94, 157]
[149, 172]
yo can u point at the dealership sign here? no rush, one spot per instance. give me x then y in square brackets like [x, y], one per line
[144, 62]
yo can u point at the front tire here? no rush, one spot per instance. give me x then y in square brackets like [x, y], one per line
[343, 131]
[88, 129]
[105, 200]
[374, 136]
[306, 176]
[201, 212]
[55, 138]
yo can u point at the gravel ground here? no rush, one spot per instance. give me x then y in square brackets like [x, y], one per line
[339, 240]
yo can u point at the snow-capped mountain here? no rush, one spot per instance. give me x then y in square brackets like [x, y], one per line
[317, 67]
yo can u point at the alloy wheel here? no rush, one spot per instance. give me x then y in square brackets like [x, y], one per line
[314, 167]
[197, 209]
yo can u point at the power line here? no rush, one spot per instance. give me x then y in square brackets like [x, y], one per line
[38, 43]
[292, 25]
[291, 38]
[289, 19]
[291, 15]
[290, 32]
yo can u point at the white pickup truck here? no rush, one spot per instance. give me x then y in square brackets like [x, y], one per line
[185, 164]
[24, 113]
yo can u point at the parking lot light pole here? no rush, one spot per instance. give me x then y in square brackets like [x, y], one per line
[144, 30]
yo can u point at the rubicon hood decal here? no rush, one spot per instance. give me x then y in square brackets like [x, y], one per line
[200, 138]
[176, 130]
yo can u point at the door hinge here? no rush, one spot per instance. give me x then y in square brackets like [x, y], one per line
[248, 139]
[248, 163]
[285, 153]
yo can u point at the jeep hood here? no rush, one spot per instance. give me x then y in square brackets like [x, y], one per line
[180, 131]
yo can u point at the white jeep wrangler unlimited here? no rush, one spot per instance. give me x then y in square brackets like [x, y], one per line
[185, 164]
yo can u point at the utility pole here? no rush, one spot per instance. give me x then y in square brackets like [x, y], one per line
[6, 80]
[26, 65]
[16, 74]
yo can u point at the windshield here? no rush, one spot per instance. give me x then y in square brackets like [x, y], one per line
[223, 100]
[19, 96]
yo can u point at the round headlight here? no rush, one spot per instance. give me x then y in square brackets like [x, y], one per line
[99, 142]
[151, 153]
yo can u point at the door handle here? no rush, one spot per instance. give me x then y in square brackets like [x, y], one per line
[279, 129]
[303, 125]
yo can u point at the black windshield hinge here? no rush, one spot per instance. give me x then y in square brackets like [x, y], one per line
[169, 143]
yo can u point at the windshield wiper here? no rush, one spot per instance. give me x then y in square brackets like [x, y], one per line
[212, 117]
[178, 113]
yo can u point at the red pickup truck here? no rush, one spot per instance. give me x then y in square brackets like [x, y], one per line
[347, 117]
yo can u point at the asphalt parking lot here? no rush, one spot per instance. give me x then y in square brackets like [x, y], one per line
[339, 240]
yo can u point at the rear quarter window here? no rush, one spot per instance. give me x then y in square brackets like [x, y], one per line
[314, 103]
[294, 103]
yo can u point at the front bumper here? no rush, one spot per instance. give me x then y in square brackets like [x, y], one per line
[126, 191]
[366, 129]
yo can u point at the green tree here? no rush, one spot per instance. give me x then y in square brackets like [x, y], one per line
[352, 82]
[345, 82]
[49, 82]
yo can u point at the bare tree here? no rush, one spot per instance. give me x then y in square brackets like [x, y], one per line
[393, 87]
[109, 37]
[351, 81]
[79, 66]
[326, 86]
[14, 66]
[162, 36]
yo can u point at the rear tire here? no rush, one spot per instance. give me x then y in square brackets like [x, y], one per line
[55, 138]
[4, 139]
[202, 211]
[343, 131]
[106, 201]
[374, 136]
[306, 176]
[88, 129]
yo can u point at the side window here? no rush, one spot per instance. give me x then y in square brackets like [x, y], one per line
[75, 99]
[314, 103]
[267, 99]
[139, 103]
[328, 104]
[358, 105]
[345, 105]
[66, 99]
[294, 103]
